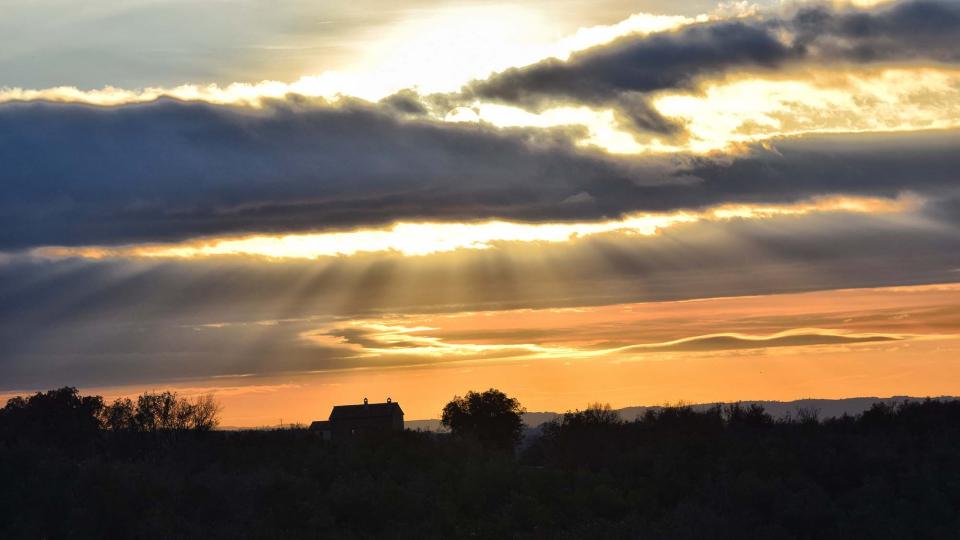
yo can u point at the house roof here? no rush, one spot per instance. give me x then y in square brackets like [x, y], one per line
[365, 410]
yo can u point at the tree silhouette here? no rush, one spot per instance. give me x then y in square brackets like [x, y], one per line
[60, 416]
[596, 414]
[166, 411]
[118, 416]
[63, 416]
[490, 417]
[580, 437]
[206, 413]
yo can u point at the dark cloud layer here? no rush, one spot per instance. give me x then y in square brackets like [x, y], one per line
[76, 174]
[869, 164]
[620, 73]
[167, 170]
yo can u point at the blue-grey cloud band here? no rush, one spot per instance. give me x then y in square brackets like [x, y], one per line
[169, 170]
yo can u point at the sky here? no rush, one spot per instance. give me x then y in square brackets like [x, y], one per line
[296, 204]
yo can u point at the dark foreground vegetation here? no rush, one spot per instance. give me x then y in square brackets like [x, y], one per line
[730, 472]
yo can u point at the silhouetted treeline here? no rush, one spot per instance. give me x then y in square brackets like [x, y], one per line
[675, 473]
[64, 418]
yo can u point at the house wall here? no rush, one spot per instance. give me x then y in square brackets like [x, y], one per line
[353, 426]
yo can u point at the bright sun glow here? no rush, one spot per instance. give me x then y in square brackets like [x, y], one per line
[753, 108]
[436, 50]
[427, 238]
[439, 50]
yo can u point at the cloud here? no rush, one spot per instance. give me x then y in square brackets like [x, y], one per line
[418, 239]
[881, 164]
[405, 101]
[622, 73]
[169, 170]
[721, 342]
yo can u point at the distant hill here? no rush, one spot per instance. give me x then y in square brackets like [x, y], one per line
[825, 408]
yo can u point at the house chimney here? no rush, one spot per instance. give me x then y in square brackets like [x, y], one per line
[389, 400]
[364, 401]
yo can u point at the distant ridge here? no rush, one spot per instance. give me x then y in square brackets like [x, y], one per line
[825, 408]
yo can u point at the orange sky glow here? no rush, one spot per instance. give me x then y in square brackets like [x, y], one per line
[856, 342]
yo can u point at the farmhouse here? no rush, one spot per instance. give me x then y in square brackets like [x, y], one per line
[350, 420]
